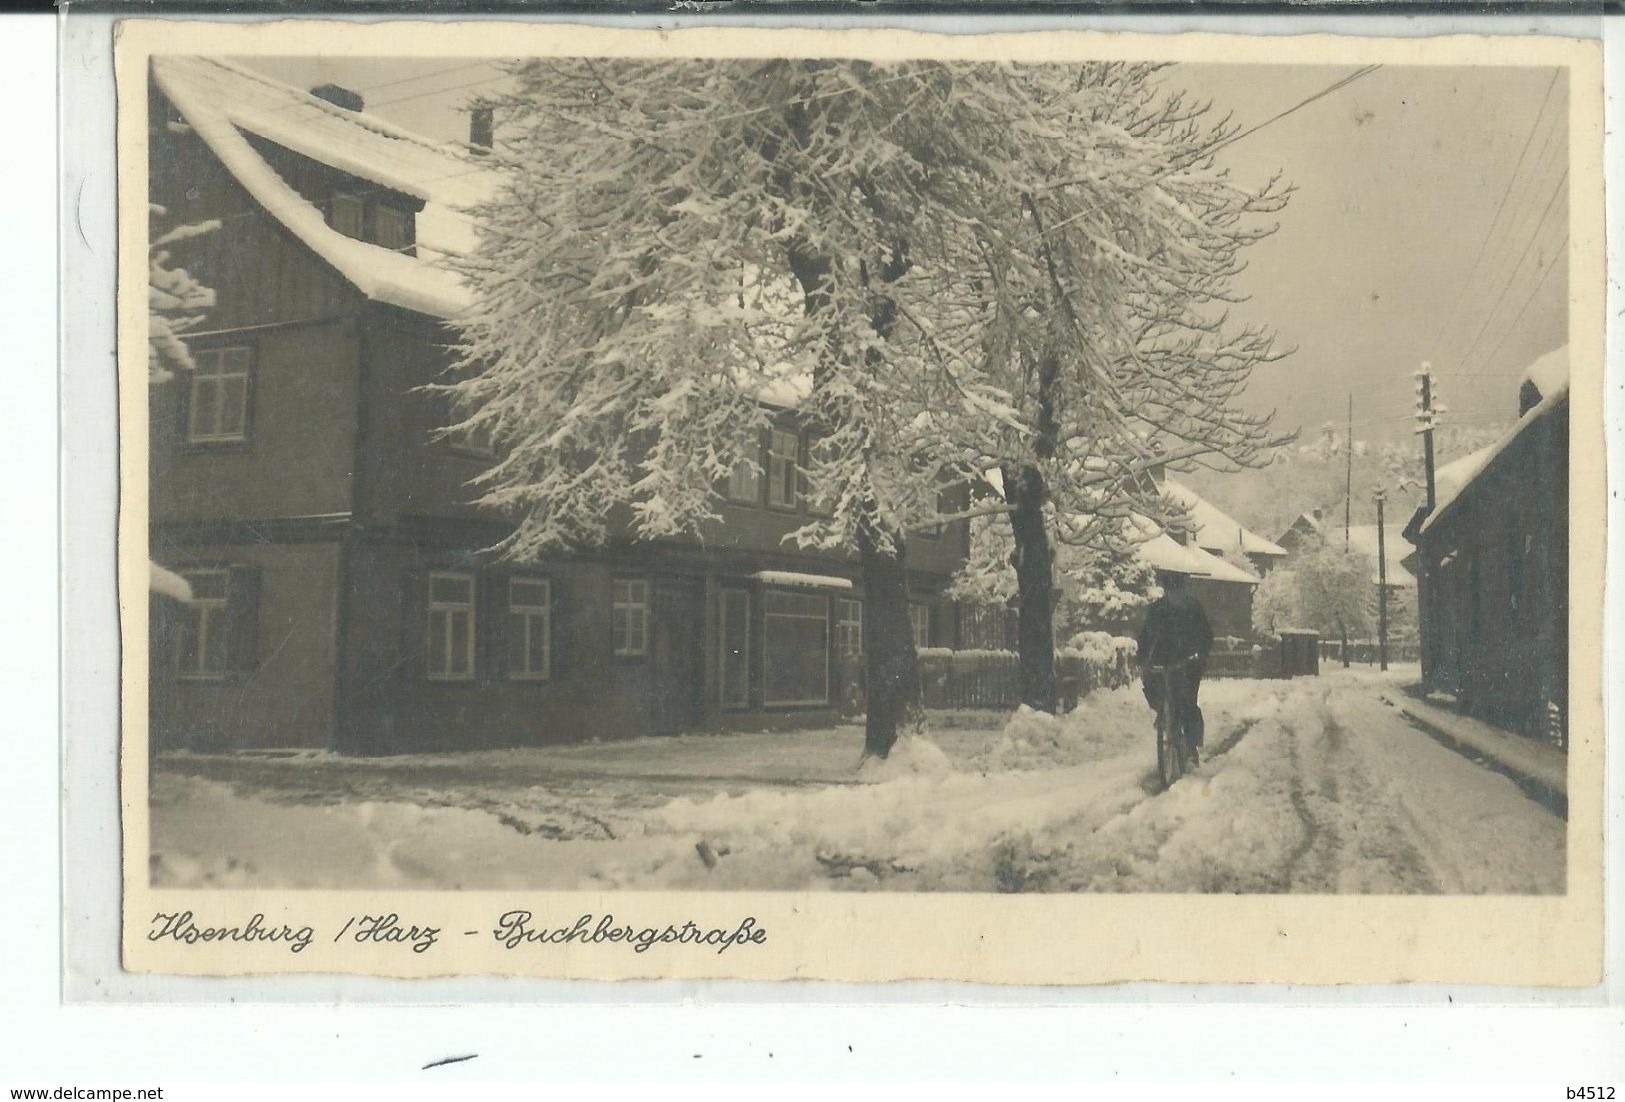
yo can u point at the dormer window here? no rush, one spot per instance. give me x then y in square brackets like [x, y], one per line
[391, 228]
[348, 211]
[376, 223]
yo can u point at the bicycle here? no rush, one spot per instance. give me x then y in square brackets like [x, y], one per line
[1174, 751]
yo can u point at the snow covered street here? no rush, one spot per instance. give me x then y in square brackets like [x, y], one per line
[1311, 785]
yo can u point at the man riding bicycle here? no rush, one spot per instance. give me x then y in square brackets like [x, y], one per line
[1176, 634]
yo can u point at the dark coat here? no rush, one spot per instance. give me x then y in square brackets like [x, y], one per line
[1175, 627]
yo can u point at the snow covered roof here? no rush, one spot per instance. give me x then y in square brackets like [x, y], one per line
[1215, 527]
[167, 583]
[809, 581]
[224, 103]
[1362, 539]
[1219, 569]
[1454, 477]
[1162, 552]
[1549, 372]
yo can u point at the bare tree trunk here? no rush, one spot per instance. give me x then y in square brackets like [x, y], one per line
[1035, 616]
[891, 666]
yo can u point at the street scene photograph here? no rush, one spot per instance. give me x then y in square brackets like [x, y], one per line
[823, 474]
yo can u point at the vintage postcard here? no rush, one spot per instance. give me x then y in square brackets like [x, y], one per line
[860, 505]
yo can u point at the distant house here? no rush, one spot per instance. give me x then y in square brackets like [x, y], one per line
[304, 491]
[1219, 534]
[1224, 589]
[1493, 567]
[1311, 530]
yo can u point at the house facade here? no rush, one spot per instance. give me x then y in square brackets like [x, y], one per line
[1492, 561]
[343, 594]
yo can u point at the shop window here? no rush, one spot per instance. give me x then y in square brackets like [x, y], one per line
[795, 649]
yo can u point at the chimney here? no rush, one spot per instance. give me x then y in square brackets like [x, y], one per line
[481, 123]
[339, 96]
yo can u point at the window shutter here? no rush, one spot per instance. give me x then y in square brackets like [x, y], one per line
[243, 619]
[415, 624]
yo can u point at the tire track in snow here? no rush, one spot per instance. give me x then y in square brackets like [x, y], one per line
[1354, 837]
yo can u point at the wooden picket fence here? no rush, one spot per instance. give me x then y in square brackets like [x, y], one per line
[992, 680]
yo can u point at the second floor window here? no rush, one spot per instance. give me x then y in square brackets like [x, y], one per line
[391, 227]
[822, 502]
[745, 482]
[217, 396]
[348, 211]
[629, 625]
[783, 476]
[451, 627]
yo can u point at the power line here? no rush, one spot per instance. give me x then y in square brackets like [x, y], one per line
[1513, 328]
[1489, 230]
[1533, 237]
[1300, 105]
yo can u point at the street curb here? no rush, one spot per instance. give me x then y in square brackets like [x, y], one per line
[1542, 792]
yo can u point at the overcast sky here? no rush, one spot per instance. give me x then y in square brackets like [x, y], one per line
[1399, 176]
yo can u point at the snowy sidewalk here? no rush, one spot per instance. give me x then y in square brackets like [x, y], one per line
[1538, 764]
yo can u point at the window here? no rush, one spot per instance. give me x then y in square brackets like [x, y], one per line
[629, 626]
[451, 627]
[391, 227]
[919, 617]
[347, 211]
[745, 482]
[530, 629]
[795, 649]
[733, 641]
[848, 628]
[218, 398]
[201, 632]
[822, 503]
[782, 475]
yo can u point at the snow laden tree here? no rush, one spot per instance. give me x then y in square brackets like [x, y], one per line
[1107, 270]
[678, 247]
[1102, 585]
[1327, 589]
[176, 302]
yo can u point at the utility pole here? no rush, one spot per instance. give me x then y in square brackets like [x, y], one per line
[1425, 424]
[1382, 587]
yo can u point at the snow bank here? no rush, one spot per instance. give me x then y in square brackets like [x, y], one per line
[913, 755]
[1106, 721]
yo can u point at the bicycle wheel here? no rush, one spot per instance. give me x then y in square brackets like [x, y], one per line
[1170, 762]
